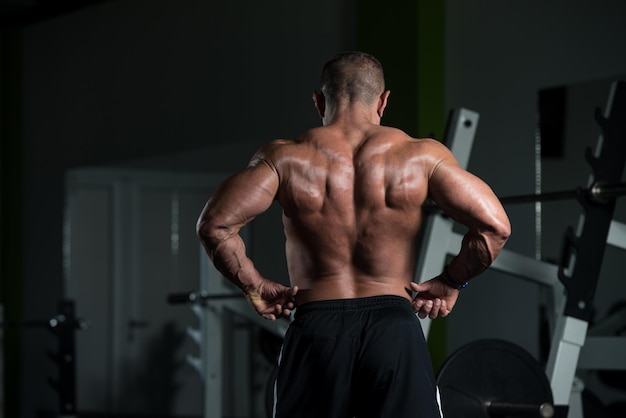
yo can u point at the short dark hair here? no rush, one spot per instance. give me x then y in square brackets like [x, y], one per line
[354, 76]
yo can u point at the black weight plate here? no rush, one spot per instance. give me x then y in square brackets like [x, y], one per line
[490, 370]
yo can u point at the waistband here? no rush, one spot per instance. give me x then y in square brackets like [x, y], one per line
[370, 302]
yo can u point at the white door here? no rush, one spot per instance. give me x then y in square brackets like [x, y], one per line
[129, 243]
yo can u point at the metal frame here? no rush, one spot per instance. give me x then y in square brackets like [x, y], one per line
[440, 241]
[569, 332]
[438, 237]
[211, 335]
[580, 277]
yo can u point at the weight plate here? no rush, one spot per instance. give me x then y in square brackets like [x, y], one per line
[490, 370]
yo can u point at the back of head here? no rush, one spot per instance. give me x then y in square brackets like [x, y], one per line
[354, 77]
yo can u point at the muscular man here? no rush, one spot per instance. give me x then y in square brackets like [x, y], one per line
[351, 192]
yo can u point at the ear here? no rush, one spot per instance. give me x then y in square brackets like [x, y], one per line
[382, 103]
[320, 102]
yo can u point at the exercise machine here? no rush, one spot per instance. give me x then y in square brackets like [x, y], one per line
[573, 281]
[216, 304]
[63, 326]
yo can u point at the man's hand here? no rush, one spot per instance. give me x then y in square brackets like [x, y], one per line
[272, 300]
[434, 298]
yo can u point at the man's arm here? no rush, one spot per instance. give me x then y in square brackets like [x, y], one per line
[471, 202]
[235, 203]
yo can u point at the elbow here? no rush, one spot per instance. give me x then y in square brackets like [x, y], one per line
[209, 232]
[502, 230]
[495, 235]
[202, 229]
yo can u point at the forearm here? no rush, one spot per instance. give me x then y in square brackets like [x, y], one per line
[227, 251]
[233, 205]
[478, 251]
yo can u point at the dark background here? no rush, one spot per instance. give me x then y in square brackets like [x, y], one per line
[197, 86]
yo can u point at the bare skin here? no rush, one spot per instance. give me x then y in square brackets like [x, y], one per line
[351, 192]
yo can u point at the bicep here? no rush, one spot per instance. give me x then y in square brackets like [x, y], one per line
[242, 197]
[465, 197]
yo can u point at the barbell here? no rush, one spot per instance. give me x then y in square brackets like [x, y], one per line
[597, 193]
[494, 378]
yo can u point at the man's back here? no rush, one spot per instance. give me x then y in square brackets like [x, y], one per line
[351, 192]
[351, 201]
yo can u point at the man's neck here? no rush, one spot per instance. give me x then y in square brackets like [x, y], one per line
[351, 115]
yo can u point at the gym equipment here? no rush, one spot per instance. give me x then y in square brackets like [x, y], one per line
[64, 326]
[596, 193]
[214, 303]
[199, 296]
[614, 324]
[578, 271]
[584, 251]
[437, 230]
[494, 378]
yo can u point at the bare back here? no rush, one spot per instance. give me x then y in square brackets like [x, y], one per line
[351, 192]
[352, 209]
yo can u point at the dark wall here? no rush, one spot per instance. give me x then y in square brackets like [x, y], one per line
[120, 82]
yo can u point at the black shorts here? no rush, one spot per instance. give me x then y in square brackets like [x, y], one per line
[359, 358]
